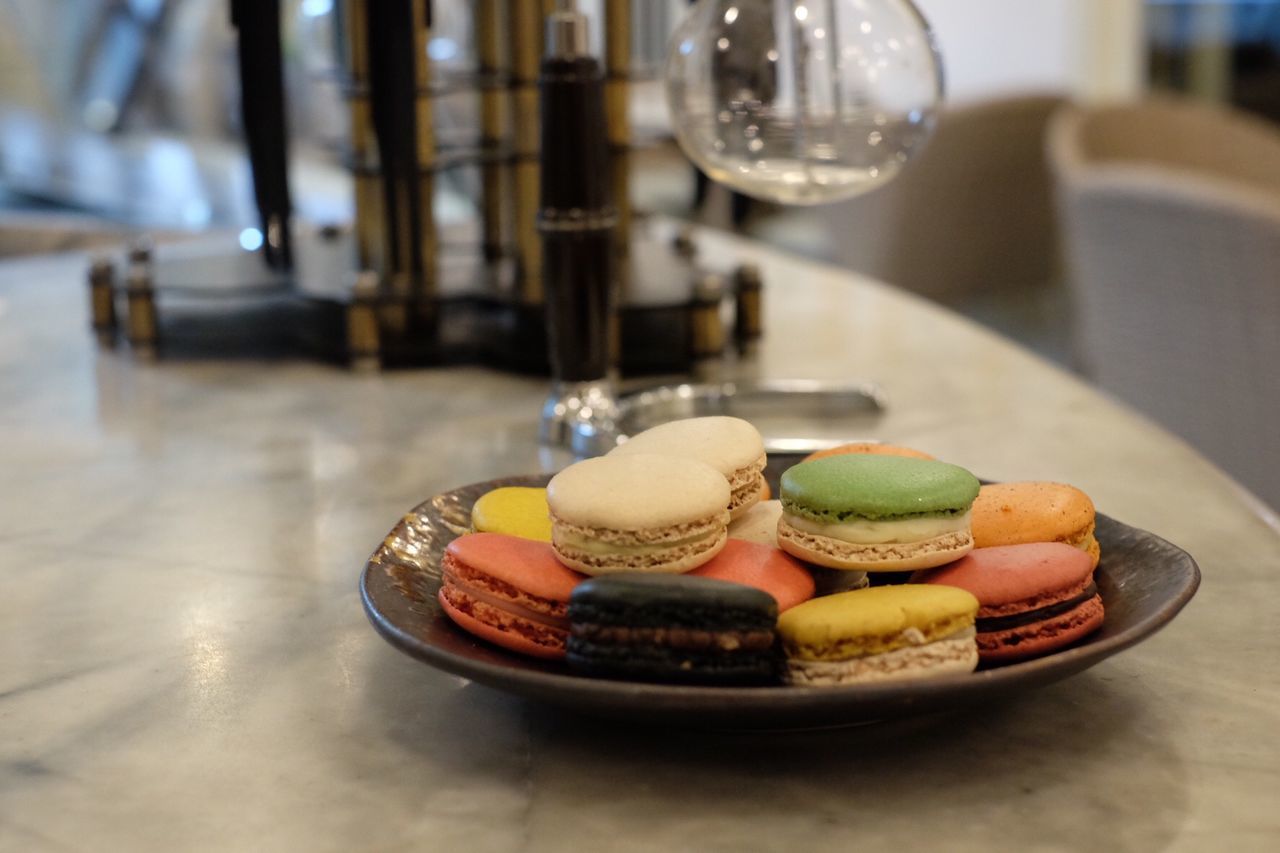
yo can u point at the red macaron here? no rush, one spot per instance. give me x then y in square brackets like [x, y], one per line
[1034, 598]
[512, 592]
[763, 567]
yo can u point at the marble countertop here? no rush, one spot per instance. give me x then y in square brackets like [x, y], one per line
[186, 665]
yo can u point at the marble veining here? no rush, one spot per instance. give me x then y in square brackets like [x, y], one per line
[184, 664]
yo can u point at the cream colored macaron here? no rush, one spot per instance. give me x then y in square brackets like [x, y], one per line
[758, 524]
[638, 513]
[732, 446]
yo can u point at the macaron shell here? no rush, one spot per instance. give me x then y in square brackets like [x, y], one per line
[725, 443]
[1021, 512]
[867, 620]
[1093, 548]
[1040, 638]
[872, 447]
[636, 492]
[758, 524]
[514, 510]
[525, 564]
[763, 567]
[1032, 575]
[506, 630]
[875, 487]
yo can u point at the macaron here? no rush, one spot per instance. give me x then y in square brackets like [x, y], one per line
[510, 591]
[638, 513]
[758, 524]
[674, 628]
[763, 567]
[1018, 513]
[876, 513]
[514, 510]
[1033, 598]
[730, 445]
[873, 447]
[832, 581]
[885, 633]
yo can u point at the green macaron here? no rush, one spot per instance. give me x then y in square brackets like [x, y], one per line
[876, 487]
[876, 513]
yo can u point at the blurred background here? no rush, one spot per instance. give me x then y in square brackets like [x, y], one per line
[1104, 184]
[119, 115]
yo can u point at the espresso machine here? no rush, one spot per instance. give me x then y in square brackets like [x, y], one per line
[397, 288]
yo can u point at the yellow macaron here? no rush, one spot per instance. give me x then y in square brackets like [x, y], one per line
[514, 510]
[879, 634]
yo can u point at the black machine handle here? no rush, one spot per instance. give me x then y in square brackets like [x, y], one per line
[262, 108]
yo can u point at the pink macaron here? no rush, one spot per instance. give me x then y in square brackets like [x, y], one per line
[763, 567]
[1034, 598]
[512, 592]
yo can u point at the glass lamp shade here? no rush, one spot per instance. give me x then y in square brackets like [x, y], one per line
[803, 101]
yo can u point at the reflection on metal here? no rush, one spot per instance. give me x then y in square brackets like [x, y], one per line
[579, 414]
[785, 410]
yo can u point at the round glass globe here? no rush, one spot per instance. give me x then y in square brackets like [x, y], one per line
[803, 101]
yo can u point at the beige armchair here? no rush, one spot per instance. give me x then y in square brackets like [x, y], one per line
[1171, 217]
[970, 223]
[973, 213]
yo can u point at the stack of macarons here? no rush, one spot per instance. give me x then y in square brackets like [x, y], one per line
[624, 565]
[665, 561]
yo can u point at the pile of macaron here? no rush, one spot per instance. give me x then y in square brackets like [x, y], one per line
[666, 561]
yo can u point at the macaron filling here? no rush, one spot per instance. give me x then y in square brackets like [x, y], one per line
[1044, 635]
[569, 538]
[956, 653]
[837, 553]
[501, 627]
[992, 624]
[869, 531]
[596, 549]
[457, 577]
[676, 637]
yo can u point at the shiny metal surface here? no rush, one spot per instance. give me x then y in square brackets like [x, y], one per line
[579, 415]
[794, 415]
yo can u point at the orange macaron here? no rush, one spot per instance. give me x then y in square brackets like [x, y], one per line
[510, 591]
[763, 567]
[1019, 513]
[873, 447]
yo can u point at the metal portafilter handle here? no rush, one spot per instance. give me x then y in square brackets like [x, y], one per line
[576, 220]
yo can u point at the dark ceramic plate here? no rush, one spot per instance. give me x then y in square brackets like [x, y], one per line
[1144, 582]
